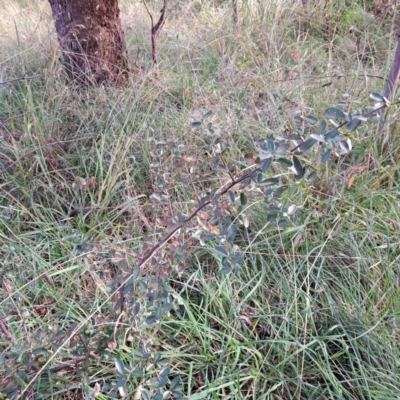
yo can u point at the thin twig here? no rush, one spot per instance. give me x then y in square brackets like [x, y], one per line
[7, 333]
[18, 311]
[336, 76]
[23, 78]
[36, 149]
[10, 118]
[223, 162]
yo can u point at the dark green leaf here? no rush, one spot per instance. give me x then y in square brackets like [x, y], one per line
[243, 199]
[311, 119]
[318, 138]
[145, 394]
[158, 396]
[282, 223]
[221, 251]
[307, 144]
[270, 181]
[285, 162]
[331, 134]
[177, 395]
[136, 273]
[163, 381]
[225, 270]
[312, 176]
[282, 150]
[330, 144]
[165, 372]
[175, 382]
[271, 146]
[377, 97]
[373, 117]
[150, 320]
[159, 312]
[297, 177]
[157, 358]
[334, 113]
[120, 366]
[245, 182]
[321, 128]
[209, 237]
[226, 262]
[279, 191]
[231, 234]
[325, 157]
[298, 168]
[344, 148]
[121, 387]
[166, 307]
[208, 114]
[266, 164]
[353, 125]
[273, 210]
[238, 258]
[196, 124]
[137, 372]
[136, 308]
[138, 352]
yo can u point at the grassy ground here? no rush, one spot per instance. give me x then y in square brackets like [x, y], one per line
[314, 311]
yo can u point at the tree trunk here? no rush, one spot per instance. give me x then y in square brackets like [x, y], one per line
[391, 84]
[91, 39]
[394, 74]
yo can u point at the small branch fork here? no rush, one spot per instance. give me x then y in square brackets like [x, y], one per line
[155, 29]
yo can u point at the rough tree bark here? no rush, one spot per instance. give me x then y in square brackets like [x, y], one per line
[91, 39]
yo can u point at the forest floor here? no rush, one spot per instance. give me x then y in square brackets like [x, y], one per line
[91, 176]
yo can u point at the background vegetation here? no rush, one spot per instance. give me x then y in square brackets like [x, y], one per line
[89, 176]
